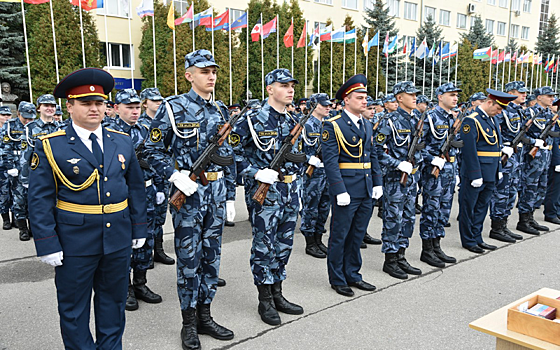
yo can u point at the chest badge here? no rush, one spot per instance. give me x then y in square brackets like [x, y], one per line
[466, 129]
[155, 135]
[34, 161]
[353, 138]
[76, 169]
[73, 160]
[122, 160]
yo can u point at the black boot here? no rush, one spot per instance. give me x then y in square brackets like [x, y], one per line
[524, 225]
[510, 232]
[312, 249]
[404, 265]
[535, 224]
[141, 291]
[318, 240]
[439, 252]
[23, 230]
[380, 211]
[391, 267]
[7, 225]
[370, 240]
[131, 302]
[159, 254]
[29, 226]
[189, 335]
[428, 255]
[207, 325]
[281, 303]
[221, 282]
[267, 310]
[497, 231]
[14, 221]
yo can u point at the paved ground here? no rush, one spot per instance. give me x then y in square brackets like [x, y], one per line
[428, 312]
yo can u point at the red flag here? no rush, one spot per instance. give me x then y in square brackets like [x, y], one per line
[187, 17]
[302, 38]
[256, 32]
[514, 57]
[495, 56]
[502, 56]
[35, 2]
[289, 36]
[269, 28]
[556, 65]
[404, 48]
[87, 5]
[222, 20]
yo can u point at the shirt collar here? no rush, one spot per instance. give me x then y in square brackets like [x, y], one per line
[196, 97]
[83, 134]
[484, 114]
[353, 117]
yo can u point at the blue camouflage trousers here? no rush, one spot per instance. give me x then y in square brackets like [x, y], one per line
[5, 192]
[533, 180]
[273, 225]
[399, 214]
[142, 257]
[198, 243]
[20, 198]
[437, 198]
[503, 199]
[160, 214]
[315, 203]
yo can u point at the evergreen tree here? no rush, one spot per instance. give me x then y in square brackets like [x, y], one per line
[12, 60]
[548, 41]
[472, 74]
[477, 35]
[378, 19]
[146, 54]
[512, 46]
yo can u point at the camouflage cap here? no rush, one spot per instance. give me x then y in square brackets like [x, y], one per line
[200, 59]
[320, 98]
[5, 110]
[545, 90]
[47, 99]
[477, 96]
[405, 86]
[58, 110]
[516, 85]
[530, 97]
[378, 102]
[152, 94]
[448, 87]
[27, 110]
[389, 98]
[422, 99]
[280, 75]
[127, 96]
[370, 101]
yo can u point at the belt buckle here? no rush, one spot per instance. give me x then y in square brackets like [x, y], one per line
[288, 179]
[367, 165]
[106, 209]
[212, 176]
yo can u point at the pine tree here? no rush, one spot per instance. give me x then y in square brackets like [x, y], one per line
[477, 35]
[512, 46]
[12, 60]
[473, 74]
[378, 19]
[548, 41]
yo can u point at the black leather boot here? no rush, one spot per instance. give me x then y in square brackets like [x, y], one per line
[189, 335]
[267, 310]
[439, 252]
[312, 249]
[131, 302]
[23, 230]
[428, 255]
[536, 225]
[29, 226]
[370, 240]
[319, 241]
[221, 282]
[510, 232]
[141, 291]
[14, 221]
[7, 225]
[524, 225]
[404, 265]
[497, 231]
[281, 303]
[207, 325]
[159, 254]
[391, 267]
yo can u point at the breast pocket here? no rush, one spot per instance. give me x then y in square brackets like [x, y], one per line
[73, 219]
[348, 172]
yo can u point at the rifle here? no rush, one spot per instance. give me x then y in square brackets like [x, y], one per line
[318, 154]
[520, 137]
[415, 145]
[210, 154]
[451, 141]
[547, 131]
[284, 155]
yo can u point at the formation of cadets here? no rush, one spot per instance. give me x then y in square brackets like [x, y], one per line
[100, 182]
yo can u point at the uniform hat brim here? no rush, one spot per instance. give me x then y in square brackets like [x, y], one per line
[95, 82]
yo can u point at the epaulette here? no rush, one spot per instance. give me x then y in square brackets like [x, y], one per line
[334, 118]
[118, 132]
[473, 115]
[54, 134]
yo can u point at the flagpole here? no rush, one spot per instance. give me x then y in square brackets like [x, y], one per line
[355, 51]
[247, 52]
[331, 70]
[456, 64]
[527, 75]
[532, 71]
[521, 73]
[319, 64]
[497, 68]
[292, 45]
[490, 73]
[424, 74]
[54, 45]
[130, 42]
[440, 60]
[515, 71]
[154, 44]
[414, 63]
[509, 69]
[194, 27]
[230, 81]
[82, 34]
[406, 66]
[174, 59]
[397, 61]
[305, 47]
[432, 86]
[344, 56]
[367, 54]
[277, 42]
[552, 75]
[26, 52]
[212, 31]
[387, 71]
[449, 64]
[556, 83]
[377, 69]
[262, 59]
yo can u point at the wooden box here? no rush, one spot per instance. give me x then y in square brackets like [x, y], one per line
[535, 326]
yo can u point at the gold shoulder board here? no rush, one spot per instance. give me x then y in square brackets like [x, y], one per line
[333, 118]
[472, 116]
[56, 133]
[117, 132]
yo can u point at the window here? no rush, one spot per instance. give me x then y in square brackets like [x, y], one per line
[492, 2]
[393, 7]
[113, 8]
[514, 31]
[543, 19]
[501, 29]
[516, 5]
[351, 4]
[527, 6]
[525, 33]
[444, 17]
[429, 12]
[461, 21]
[489, 26]
[410, 11]
[369, 4]
[503, 3]
[119, 55]
[235, 14]
[473, 18]
[326, 2]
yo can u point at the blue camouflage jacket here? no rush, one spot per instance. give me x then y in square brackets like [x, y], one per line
[437, 125]
[34, 130]
[14, 143]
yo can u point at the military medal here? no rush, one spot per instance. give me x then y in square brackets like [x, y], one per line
[122, 160]
[76, 169]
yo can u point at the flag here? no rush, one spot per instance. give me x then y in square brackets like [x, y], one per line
[444, 54]
[146, 8]
[539, 61]
[437, 54]
[432, 51]
[508, 57]
[187, 17]
[269, 28]
[520, 58]
[301, 41]
[87, 5]
[556, 65]
[350, 36]
[171, 17]
[36, 2]
[220, 22]
[256, 32]
[413, 48]
[374, 41]
[529, 58]
[514, 57]
[338, 35]
[388, 49]
[536, 59]
[289, 36]
[454, 50]
[365, 43]
[422, 50]
[204, 18]
[239, 23]
[495, 56]
[404, 47]
[326, 34]
[482, 54]
[314, 35]
[501, 58]
[386, 45]
[526, 57]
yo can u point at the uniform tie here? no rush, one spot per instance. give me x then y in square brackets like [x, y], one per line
[361, 125]
[96, 150]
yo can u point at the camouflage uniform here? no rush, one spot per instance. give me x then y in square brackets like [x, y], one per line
[5, 193]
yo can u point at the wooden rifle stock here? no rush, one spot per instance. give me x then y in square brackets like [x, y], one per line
[178, 198]
[404, 179]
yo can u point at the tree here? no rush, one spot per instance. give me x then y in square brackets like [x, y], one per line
[12, 60]
[379, 20]
[512, 46]
[548, 41]
[477, 35]
[473, 74]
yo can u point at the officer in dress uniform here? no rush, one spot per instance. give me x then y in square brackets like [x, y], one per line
[354, 179]
[179, 135]
[88, 210]
[552, 198]
[481, 169]
[5, 193]
[13, 134]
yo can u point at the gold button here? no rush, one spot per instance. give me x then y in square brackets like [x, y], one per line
[105, 179]
[367, 174]
[108, 194]
[101, 166]
[108, 224]
[365, 155]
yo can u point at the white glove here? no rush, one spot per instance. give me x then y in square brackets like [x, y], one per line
[405, 167]
[138, 243]
[539, 143]
[25, 185]
[183, 182]
[508, 151]
[557, 168]
[500, 175]
[268, 176]
[160, 198]
[377, 192]
[13, 172]
[230, 211]
[439, 162]
[300, 204]
[343, 199]
[476, 183]
[316, 162]
[457, 179]
[54, 259]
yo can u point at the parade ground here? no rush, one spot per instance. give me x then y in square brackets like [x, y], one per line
[431, 311]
